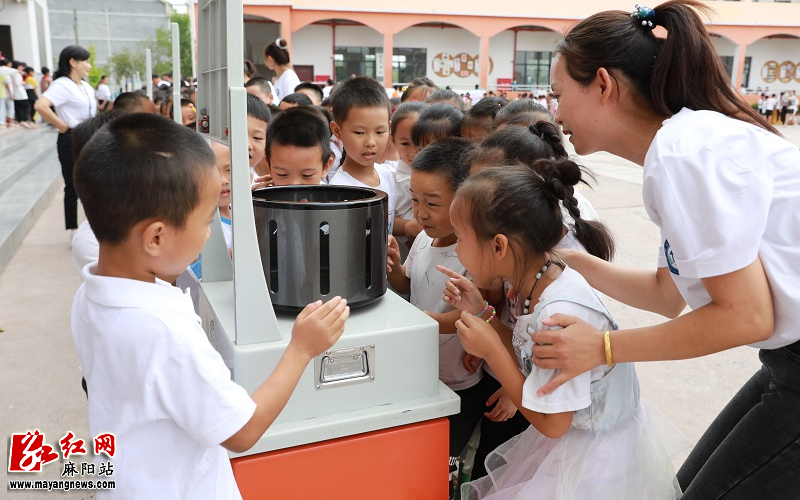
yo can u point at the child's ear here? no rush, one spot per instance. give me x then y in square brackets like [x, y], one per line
[335, 130]
[500, 246]
[154, 238]
[327, 165]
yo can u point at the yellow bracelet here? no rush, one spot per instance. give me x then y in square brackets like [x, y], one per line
[607, 343]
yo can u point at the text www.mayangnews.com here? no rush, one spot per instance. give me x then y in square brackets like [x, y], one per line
[62, 485]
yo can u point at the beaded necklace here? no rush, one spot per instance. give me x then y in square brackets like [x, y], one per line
[539, 275]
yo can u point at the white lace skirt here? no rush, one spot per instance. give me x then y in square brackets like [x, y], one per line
[630, 463]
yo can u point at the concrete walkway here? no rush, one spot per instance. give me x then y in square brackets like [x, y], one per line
[40, 376]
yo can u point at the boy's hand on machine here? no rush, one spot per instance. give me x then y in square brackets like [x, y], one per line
[393, 251]
[461, 293]
[503, 410]
[478, 337]
[319, 326]
[471, 363]
[261, 181]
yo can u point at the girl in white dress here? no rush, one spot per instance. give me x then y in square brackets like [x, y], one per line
[592, 438]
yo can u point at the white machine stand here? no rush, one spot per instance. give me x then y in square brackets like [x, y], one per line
[382, 373]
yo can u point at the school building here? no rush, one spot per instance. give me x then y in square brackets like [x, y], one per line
[462, 43]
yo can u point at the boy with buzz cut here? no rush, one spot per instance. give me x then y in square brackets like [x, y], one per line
[299, 147]
[361, 113]
[150, 188]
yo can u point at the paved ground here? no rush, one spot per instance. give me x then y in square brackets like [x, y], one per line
[40, 376]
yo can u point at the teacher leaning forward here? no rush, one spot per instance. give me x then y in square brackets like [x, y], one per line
[724, 189]
[74, 101]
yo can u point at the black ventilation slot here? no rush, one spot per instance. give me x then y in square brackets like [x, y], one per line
[368, 255]
[273, 256]
[324, 258]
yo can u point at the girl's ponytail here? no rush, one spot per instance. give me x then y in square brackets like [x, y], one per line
[560, 178]
[551, 134]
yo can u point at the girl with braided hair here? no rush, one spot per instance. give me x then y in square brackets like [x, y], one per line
[593, 437]
[526, 145]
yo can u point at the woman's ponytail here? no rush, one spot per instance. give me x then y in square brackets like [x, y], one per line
[679, 71]
[688, 73]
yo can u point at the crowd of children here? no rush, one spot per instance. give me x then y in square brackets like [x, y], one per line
[479, 205]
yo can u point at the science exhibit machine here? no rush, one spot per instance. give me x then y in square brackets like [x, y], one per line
[366, 419]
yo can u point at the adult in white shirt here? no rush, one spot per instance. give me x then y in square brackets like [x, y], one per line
[103, 93]
[276, 58]
[74, 101]
[722, 186]
[477, 94]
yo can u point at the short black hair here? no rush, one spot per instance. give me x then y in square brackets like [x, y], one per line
[302, 127]
[325, 114]
[446, 157]
[446, 96]
[258, 109]
[260, 82]
[129, 102]
[358, 92]
[85, 130]
[405, 110]
[298, 98]
[438, 121]
[520, 108]
[138, 167]
[311, 86]
[481, 115]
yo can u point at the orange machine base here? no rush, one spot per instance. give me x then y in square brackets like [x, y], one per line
[400, 463]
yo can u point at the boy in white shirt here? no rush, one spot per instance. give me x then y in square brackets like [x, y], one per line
[361, 112]
[437, 172]
[150, 187]
[299, 147]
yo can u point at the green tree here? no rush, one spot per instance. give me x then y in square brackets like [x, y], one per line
[161, 46]
[97, 71]
[126, 63]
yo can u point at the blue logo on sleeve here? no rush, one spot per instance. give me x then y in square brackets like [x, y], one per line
[670, 258]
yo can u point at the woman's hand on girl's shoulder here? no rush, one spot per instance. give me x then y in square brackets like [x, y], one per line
[462, 293]
[575, 348]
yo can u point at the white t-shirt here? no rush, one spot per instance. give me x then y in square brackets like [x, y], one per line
[103, 92]
[402, 194]
[158, 385]
[342, 178]
[74, 103]
[576, 393]
[285, 85]
[19, 86]
[476, 95]
[426, 295]
[85, 248]
[724, 192]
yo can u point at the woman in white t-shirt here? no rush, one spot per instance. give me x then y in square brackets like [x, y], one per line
[722, 186]
[103, 94]
[74, 101]
[276, 58]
